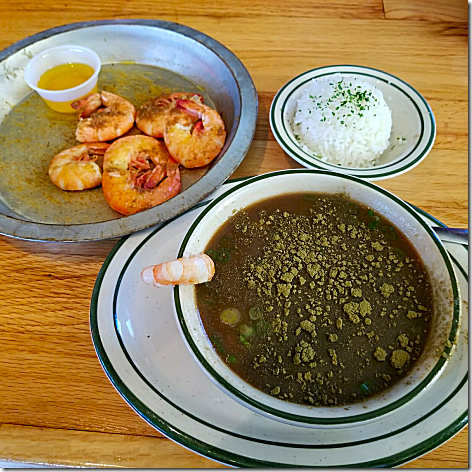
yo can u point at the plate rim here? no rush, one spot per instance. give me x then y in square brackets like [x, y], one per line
[208, 183]
[222, 456]
[370, 174]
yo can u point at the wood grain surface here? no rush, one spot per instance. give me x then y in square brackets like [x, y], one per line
[57, 406]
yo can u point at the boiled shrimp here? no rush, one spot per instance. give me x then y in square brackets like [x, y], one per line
[103, 124]
[151, 117]
[138, 174]
[184, 271]
[76, 169]
[194, 144]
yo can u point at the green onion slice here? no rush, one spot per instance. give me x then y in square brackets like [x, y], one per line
[223, 256]
[389, 232]
[246, 330]
[230, 316]
[373, 224]
[212, 253]
[231, 359]
[263, 328]
[364, 388]
[217, 343]
[255, 313]
[399, 252]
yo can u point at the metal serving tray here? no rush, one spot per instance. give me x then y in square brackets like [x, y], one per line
[31, 207]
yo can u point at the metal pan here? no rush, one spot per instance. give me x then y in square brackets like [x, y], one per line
[31, 207]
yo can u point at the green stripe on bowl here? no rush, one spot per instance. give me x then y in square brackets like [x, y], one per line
[354, 171]
[301, 418]
[358, 170]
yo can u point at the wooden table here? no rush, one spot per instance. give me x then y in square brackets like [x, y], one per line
[56, 404]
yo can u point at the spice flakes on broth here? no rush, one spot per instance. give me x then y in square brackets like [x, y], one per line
[316, 299]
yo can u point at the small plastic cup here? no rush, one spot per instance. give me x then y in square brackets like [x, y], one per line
[60, 100]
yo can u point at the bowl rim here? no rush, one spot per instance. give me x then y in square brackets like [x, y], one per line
[40, 56]
[310, 420]
[380, 172]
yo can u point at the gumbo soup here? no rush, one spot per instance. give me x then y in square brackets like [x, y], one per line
[316, 299]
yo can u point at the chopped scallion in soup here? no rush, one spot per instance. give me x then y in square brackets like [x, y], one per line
[316, 299]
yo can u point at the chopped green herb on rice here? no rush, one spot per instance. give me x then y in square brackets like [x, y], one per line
[343, 120]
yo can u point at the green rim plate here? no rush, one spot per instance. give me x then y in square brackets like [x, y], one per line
[106, 291]
[418, 146]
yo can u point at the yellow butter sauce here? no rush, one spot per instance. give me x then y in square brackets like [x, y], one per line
[63, 77]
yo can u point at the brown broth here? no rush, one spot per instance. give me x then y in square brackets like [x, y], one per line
[334, 302]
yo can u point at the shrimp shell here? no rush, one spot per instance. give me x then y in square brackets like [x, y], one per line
[72, 169]
[184, 271]
[103, 124]
[120, 186]
[194, 144]
[151, 116]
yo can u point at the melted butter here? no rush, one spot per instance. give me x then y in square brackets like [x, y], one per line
[65, 76]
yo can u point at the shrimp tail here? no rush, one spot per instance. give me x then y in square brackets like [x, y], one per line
[98, 148]
[87, 105]
[184, 271]
[195, 97]
[189, 107]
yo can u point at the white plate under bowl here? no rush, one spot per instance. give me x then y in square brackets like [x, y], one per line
[413, 123]
[138, 343]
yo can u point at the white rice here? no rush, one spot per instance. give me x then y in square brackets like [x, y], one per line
[343, 120]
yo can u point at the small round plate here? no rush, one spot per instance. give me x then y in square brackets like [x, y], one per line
[139, 345]
[413, 123]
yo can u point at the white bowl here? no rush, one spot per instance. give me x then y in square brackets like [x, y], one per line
[413, 124]
[446, 299]
[65, 54]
